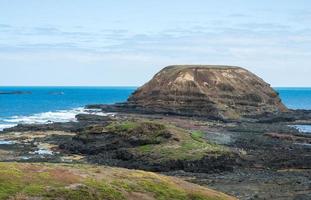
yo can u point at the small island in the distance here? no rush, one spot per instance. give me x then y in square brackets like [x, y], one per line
[14, 92]
[220, 127]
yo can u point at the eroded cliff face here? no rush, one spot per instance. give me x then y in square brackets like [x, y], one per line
[222, 92]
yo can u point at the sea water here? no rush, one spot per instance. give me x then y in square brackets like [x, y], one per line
[61, 104]
[53, 104]
[296, 98]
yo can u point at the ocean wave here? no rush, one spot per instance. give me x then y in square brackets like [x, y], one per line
[303, 128]
[5, 142]
[47, 117]
[3, 126]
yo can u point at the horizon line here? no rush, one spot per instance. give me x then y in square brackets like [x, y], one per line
[118, 86]
[68, 86]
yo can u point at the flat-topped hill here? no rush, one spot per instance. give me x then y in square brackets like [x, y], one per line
[179, 67]
[214, 91]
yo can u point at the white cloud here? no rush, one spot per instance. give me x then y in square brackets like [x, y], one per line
[265, 40]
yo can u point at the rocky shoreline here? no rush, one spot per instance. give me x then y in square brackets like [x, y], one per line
[218, 126]
[260, 160]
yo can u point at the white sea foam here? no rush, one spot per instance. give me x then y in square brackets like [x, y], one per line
[43, 152]
[3, 126]
[6, 142]
[303, 128]
[47, 117]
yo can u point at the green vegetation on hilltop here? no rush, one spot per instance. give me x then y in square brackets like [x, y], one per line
[144, 130]
[87, 182]
[166, 142]
[125, 126]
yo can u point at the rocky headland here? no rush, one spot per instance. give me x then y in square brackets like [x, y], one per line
[217, 126]
[214, 92]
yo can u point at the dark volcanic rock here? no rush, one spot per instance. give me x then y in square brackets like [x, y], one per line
[70, 126]
[290, 116]
[91, 118]
[147, 145]
[217, 92]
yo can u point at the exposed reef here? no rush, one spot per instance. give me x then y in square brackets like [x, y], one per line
[249, 160]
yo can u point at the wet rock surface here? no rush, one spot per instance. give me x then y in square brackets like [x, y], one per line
[33, 146]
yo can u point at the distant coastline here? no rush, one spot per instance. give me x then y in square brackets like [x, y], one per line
[14, 92]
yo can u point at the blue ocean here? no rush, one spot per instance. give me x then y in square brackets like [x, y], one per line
[60, 104]
[53, 104]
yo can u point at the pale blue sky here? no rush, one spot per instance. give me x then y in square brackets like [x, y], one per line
[124, 42]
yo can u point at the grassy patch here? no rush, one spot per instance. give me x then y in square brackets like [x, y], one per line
[185, 146]
[50, 183]
[145, 148]
[106, 189]
[144, 131]
[197, 135]
[87, 182]
[162, 142]
[33, 189]
[121, 127]
[142, 127]
[163, 190]
[191, 150]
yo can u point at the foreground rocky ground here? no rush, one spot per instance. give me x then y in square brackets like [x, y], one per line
[266, 159]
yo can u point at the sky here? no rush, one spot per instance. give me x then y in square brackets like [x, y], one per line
[125, 42]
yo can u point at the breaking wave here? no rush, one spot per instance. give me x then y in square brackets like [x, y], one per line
[47, 117]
